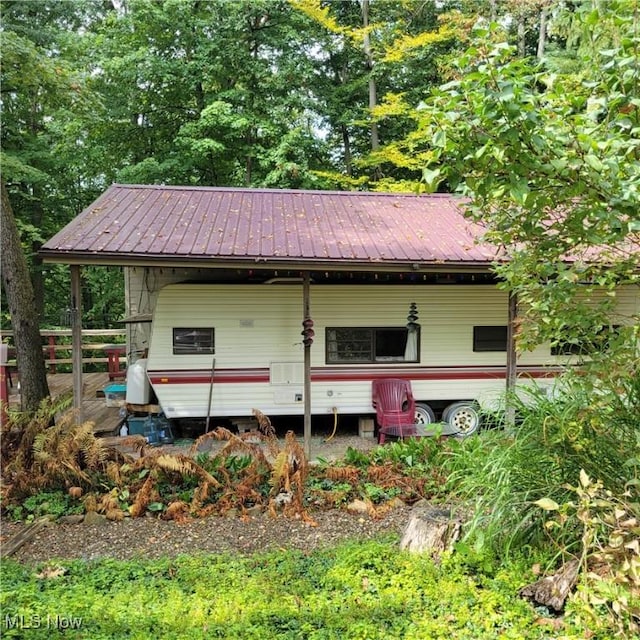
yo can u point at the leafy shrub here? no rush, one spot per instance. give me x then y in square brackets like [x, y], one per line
[590, 423]
[51, 503]
[608, 595]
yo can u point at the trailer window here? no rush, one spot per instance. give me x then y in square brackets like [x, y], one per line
[372, 344]
[192, 341]
[490, 338]
[598, 342]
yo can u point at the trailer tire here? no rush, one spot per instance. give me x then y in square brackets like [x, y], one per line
[463, 418]
[424, 414]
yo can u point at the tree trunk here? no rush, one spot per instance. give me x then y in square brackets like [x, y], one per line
[37, 280]
[373, 99]
[542, 35]
[347, 150]
[22, 307]
[522, 33]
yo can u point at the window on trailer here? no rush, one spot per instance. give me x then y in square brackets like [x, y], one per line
[598, 342]
[372, 344]
[489, 338]
[193, 341]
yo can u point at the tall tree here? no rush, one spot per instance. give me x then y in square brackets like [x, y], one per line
[372, 51]
[552, 166]
[206, 93]
[21, 299]
[45, 103]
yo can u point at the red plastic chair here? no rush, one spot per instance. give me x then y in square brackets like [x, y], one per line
[395, 408]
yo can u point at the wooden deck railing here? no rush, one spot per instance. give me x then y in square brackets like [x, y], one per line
[56, 349]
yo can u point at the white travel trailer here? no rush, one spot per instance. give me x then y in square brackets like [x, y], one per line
[401, 286]
[222, 349]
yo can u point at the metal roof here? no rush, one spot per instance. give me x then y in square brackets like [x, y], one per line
[151, 224]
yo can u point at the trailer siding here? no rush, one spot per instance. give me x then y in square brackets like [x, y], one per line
[258, 346]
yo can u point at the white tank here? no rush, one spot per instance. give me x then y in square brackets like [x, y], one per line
[138, 386]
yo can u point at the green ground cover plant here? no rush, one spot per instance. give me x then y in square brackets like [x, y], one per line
[354, 591]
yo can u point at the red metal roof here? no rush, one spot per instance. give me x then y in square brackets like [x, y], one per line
[213, 224]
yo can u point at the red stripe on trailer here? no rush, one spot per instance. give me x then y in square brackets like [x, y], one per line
[240, 376]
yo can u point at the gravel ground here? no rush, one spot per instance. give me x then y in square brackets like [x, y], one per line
[153, 538]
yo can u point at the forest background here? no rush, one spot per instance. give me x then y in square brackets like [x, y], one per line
[263, 93]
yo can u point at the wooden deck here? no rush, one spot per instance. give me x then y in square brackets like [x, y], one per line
[94, 407]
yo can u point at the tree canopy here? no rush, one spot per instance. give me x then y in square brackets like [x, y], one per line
[499, 99]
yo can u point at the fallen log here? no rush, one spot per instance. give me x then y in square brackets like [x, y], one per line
[552, 591]
[23, 536]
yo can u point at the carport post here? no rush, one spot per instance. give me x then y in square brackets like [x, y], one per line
[512, 362]
[306, 313]
[76, 339]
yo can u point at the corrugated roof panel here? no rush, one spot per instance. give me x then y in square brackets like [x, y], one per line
[134, 221]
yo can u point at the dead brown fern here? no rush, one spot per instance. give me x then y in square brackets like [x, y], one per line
[158, 461]
[18, 433]
[143, 497]
[237, 446]
[267, 431]
[65, 452]
[343, 474]
[178, 511]
[289, 475]
[136, 442]
[200, 496]
[116, 515]
[39, 454]
[215, 434]
[113, 471]
[181, 464]
[264, 423]
[90, 502]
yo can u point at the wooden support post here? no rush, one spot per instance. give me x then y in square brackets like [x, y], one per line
[4, 383]
[52, 353]
[306, 313]
[512, 360]
[76, 339]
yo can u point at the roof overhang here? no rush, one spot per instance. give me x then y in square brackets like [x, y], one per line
[120, 260]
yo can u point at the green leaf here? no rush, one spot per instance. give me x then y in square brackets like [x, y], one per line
[594, 162]
[439, 139]
[432, 178]
[547, 504]
[519, 191]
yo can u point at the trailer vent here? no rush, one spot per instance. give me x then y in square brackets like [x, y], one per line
[286, 373]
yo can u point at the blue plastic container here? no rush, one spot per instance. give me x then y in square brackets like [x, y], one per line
[136, 425]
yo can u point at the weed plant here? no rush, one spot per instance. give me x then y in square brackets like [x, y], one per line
[589, 424]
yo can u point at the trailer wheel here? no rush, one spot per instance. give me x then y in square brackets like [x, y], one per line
[463, 418]
[424, 414]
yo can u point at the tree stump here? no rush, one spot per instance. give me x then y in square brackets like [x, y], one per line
[552, 591]
[430, 529]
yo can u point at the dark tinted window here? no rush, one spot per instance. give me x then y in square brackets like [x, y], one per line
[191, 341]
[493, 338]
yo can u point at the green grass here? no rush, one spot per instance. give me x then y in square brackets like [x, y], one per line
[358, 590]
